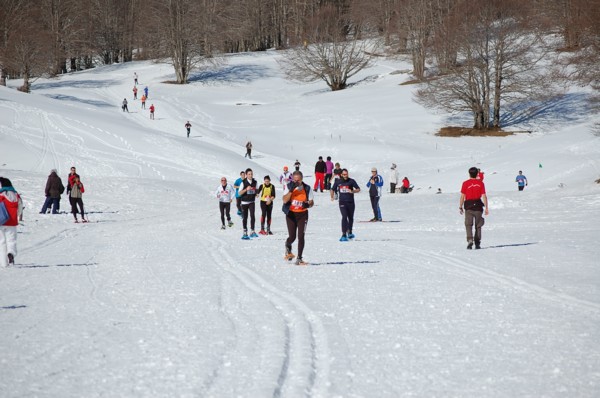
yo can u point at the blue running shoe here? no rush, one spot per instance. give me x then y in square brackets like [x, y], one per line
[344, 238]
[253, 235]
[351, 236]
[245, 237]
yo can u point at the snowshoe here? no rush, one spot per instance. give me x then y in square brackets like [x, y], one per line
[300, 261]
[269, 232]
[288, 254]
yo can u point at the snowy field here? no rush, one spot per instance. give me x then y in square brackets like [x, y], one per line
[152, 299]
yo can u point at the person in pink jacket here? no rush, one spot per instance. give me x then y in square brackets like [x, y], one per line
[8, 231]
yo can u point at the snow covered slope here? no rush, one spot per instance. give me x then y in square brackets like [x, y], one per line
[151, 299]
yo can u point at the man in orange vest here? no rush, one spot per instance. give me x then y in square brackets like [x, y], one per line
[297, 199]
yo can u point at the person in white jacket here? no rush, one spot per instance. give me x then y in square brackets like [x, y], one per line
[393, 178]
[225, 193]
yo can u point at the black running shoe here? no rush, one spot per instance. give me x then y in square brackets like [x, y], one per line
[470, 246]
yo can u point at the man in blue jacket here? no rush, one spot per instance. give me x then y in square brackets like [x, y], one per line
[375, 185]
[345, 187]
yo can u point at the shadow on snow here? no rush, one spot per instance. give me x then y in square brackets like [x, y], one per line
[231, 74]
[62, 97]
[53, 265]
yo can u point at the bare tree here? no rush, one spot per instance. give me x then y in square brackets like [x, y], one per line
[499, 62]
[11, 14]
[332, 53]
[28, 51]
[585, 61]
[185, 32]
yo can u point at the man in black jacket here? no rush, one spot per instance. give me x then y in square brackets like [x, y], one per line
[320, 169]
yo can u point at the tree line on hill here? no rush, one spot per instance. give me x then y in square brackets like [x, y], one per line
[470, 55]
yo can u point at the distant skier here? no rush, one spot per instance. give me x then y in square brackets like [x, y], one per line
[124, 106]
[188, 127]
[135, 90]
[521, 181]
[54, 188]
[473, 199]
[146, 92]
[143, 101]
[328, 173]
[267, 195]
[238, 198]
[152, 108]
[248, 150]
[297, 199]
[393, 178]
[248, 194]
[285, 177]
[225, 193]
[13, 204]
[346, 187]
[405, 185]
[297, 165]
[375, 185]
[135, 78]
[320, 169]
[76, 199]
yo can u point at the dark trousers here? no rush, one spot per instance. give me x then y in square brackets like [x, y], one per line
[521, 187]
[328, 181]
[189, 130]
[347, 210]
[248, 208]
[473, 217]
[267, 211]
[238, 204]
[392, 187]
[74, 203]
[296, 225]
[375, 206]
[54, 202]
[248, 153]
[224, 207]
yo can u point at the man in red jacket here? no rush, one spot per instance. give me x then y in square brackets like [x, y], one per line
[11, 200]
[473, 199]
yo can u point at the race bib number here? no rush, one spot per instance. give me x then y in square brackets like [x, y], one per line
[345, 189]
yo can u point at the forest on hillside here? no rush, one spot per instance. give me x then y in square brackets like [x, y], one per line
[472, 54]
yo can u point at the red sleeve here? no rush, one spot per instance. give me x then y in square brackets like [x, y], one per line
[81, 187]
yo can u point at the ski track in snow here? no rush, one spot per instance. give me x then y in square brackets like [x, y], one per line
[476, 273]
[305, 367]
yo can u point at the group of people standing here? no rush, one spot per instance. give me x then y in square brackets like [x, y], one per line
[55, 188]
